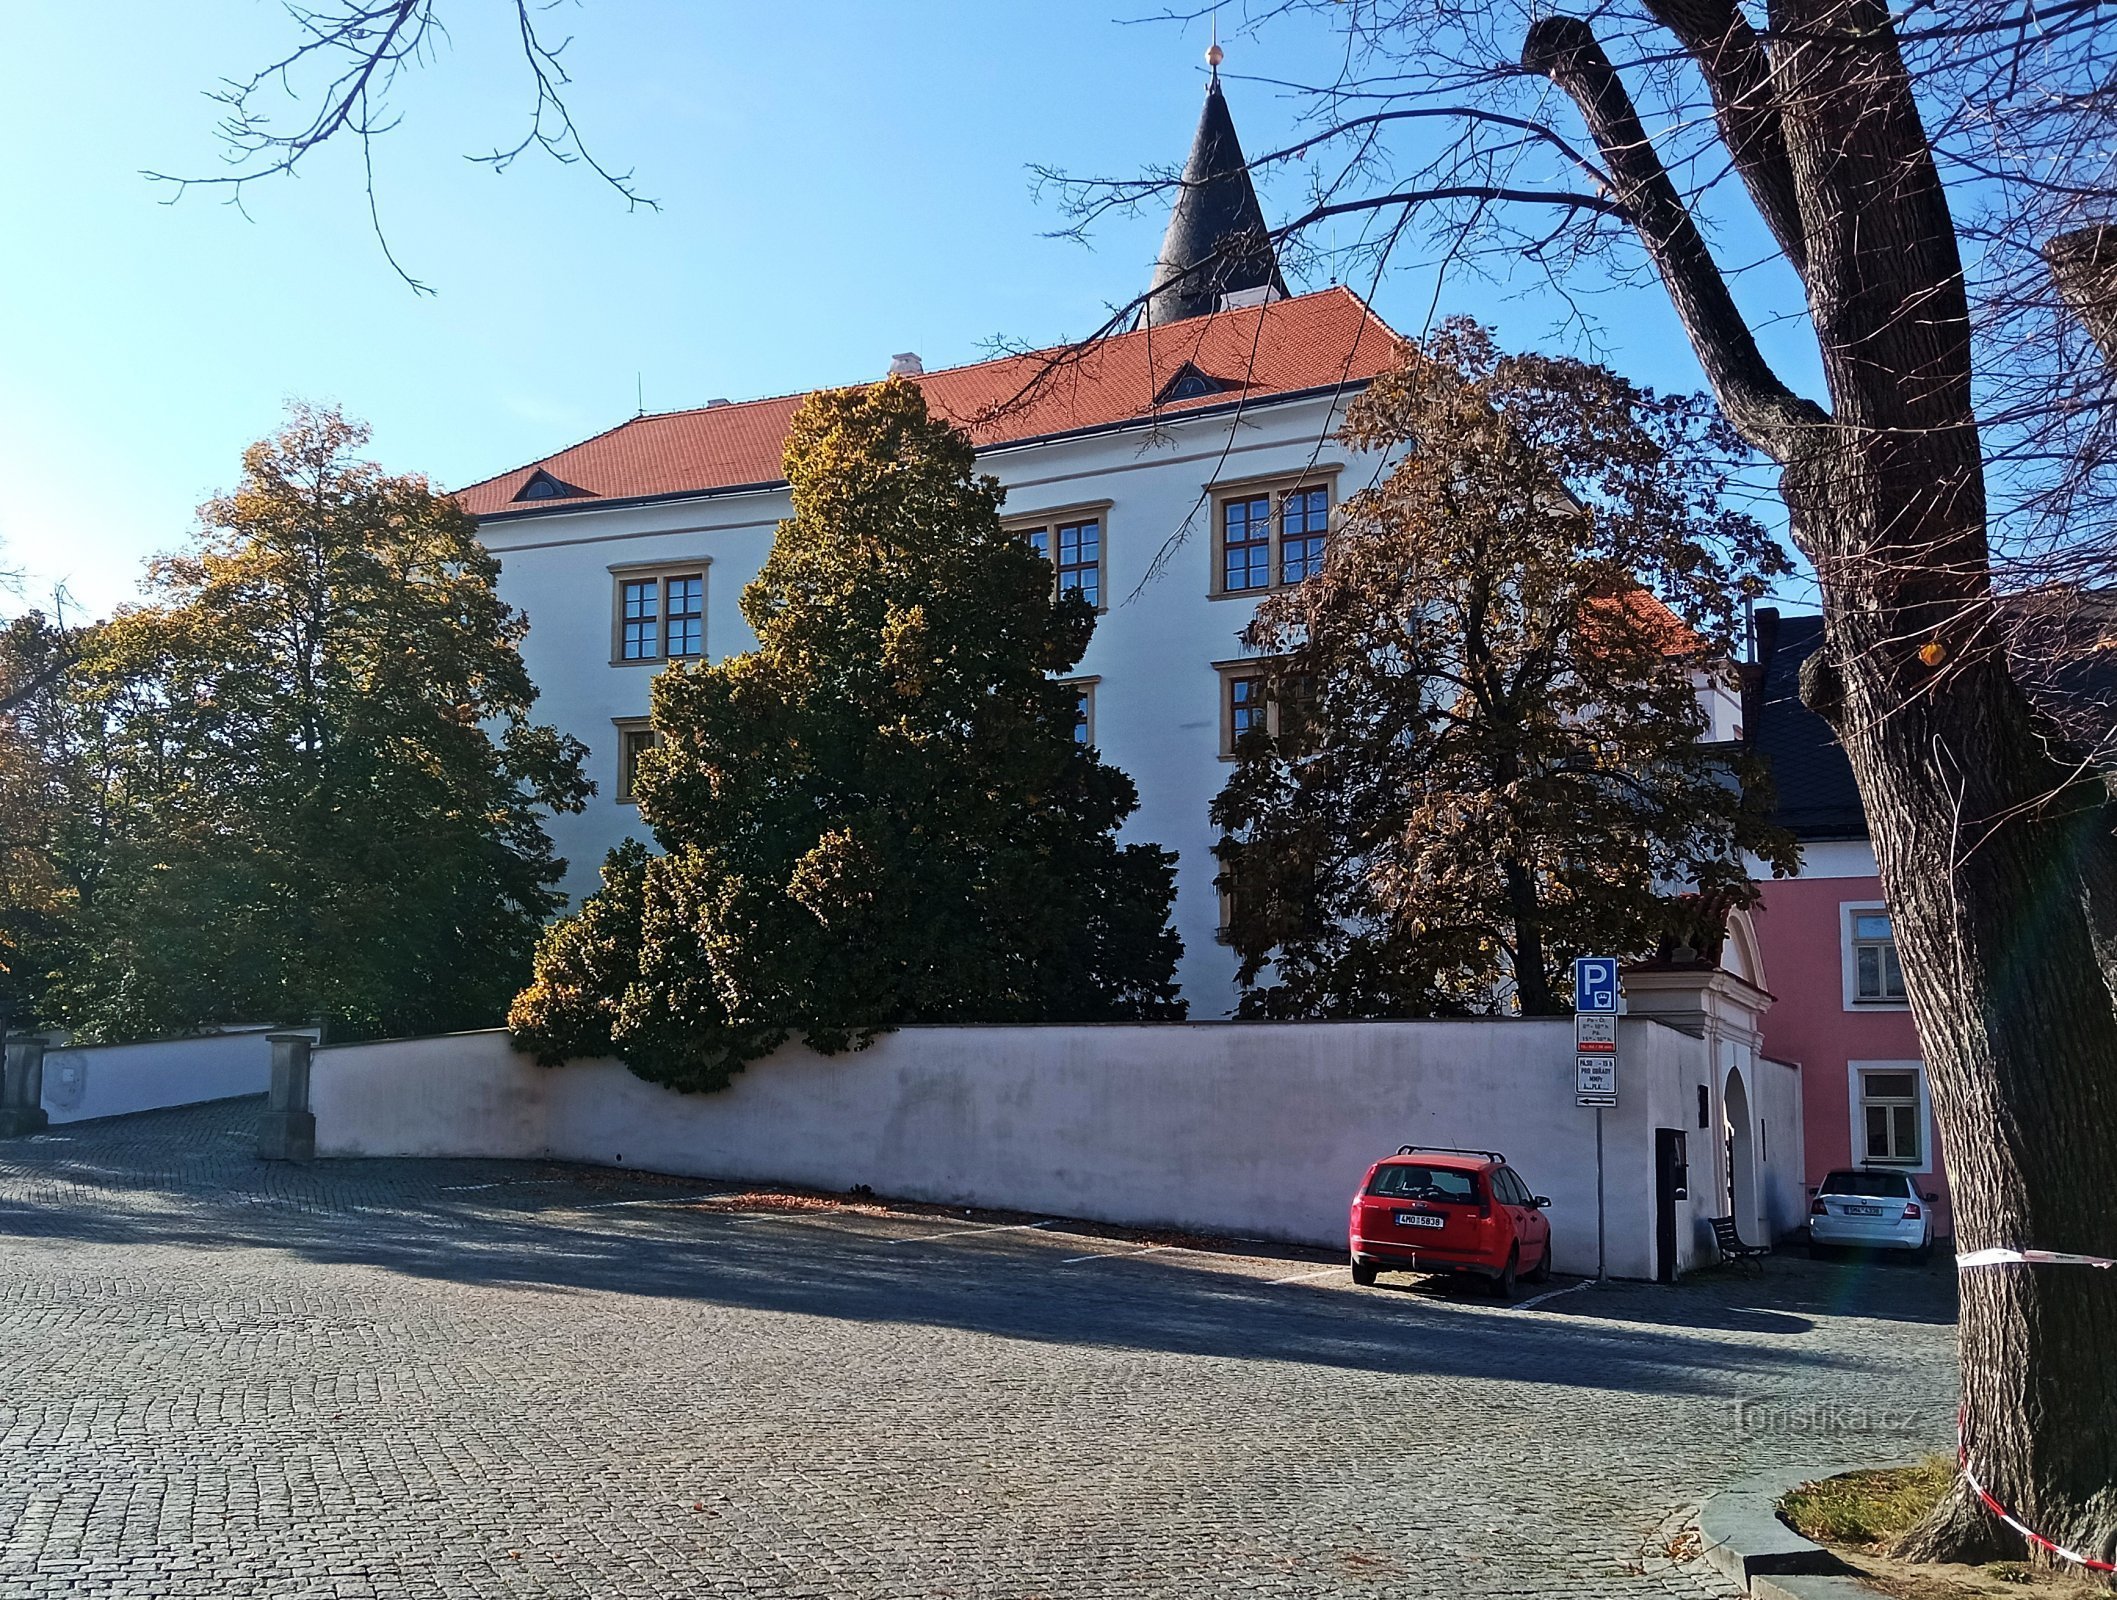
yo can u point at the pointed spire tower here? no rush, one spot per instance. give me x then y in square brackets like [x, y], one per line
[1217, 243]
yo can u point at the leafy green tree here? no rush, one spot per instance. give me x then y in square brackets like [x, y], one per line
[1484, 752]
[878, 816]
[312, 744]
[38, 811]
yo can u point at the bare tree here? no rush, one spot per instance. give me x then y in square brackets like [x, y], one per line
[336, 83]
[1908, 168]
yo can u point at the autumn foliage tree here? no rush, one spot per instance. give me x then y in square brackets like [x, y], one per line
[313, 748]
[37, 812]
[878, 816]
[1485, 752]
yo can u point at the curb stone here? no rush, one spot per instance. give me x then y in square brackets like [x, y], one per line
[1811, 1586]
[1742, 1536]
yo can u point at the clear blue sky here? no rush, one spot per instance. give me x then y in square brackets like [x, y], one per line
[838, 181]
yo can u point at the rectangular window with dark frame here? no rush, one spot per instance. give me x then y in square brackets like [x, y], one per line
[1084, 714]
[1246, 544]
[1261, 697]
[1075, 550]
[687, 616]
[1889, 1109]
[642, 639]
[634, 740]
[661, 616]
[1270, 537]
[1305, 520]
[1246, 709]
[1878, 977]
[1080, 559]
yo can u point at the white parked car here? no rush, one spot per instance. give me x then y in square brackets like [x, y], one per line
[1870, 1208]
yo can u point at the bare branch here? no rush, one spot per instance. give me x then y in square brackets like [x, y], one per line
[348, 60]
[1738, 74]
[1769, 414]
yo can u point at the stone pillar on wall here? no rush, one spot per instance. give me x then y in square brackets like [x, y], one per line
[288, 1129]
[22, 1087]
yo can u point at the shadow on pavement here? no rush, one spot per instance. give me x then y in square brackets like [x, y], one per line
[189, 1179]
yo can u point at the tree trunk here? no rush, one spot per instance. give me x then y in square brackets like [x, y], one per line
[1532, 986]
[2083, 264]
[1997, 859]
[1997, 871]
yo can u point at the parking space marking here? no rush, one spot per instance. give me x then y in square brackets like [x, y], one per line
[1539, 1299]
[652, 1200]
[958, 1233]
[1304, 1277]
[840, 1221]
[1111, 1255]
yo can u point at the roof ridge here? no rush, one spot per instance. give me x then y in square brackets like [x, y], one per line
[1165, 330]
[1271, 344]
[550, 455]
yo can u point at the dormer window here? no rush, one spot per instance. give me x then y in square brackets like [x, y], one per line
[1188, 383]
[543, 486]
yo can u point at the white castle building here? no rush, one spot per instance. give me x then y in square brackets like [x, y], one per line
[1174, 473]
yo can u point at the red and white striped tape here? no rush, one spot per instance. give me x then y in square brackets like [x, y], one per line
[2000, 1256]
[2050, 1547]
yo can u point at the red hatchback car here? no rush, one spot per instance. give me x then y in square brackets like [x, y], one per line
[1455, 1211]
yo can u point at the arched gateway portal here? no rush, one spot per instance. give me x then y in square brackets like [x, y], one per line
[1738, 1128]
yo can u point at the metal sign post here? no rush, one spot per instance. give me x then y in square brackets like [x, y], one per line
[1595, 1005]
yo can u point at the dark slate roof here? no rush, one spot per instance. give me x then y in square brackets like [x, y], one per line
[1217, 242]
[2062, 647]
[1812, 780]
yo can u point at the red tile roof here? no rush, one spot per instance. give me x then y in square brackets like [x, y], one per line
[1651, 615]
[1315, 341]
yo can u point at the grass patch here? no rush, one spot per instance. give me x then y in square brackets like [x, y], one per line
[1867, 1508]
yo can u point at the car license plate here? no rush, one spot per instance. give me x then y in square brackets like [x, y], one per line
[1420, 1219]
[1865, 1211]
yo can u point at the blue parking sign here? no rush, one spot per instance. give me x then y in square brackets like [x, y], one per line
[1595, 983]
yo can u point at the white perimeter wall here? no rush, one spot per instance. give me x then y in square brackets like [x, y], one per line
[1781, 1175]
[114, 1079]
[1250, 1129]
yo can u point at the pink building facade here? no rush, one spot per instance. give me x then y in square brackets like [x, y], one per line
[1825, 945]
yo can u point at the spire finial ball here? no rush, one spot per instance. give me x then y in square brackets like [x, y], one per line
[1214, 56]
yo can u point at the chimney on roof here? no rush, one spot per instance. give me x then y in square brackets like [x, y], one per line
[906, 364]
[1763, 645]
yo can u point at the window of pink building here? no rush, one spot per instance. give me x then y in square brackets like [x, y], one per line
[1892, 1127]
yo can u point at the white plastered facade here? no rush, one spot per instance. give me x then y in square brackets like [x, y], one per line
[1158, 697]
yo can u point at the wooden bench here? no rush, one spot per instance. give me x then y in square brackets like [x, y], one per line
[1730, 1242]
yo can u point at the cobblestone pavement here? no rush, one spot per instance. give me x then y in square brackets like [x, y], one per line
[223, 1377]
